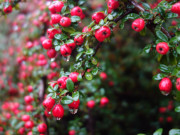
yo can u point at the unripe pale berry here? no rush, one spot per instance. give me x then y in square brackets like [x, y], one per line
[42, 128]
[51, 53]
[62, 82]
[91, 104]
[138, 25]
[47, 44]
[78, 40]
[165, 85]
[58, 111]
[48, 103]
[73, 76]
[65, 50]
[96, 17]
[162, 48]
[65, 21]
[74, 104]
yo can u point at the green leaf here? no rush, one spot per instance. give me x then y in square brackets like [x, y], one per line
[56, 87]
[75, 18]
[101, 22]
[172, 15]
[146, 6]
[94, 71]
[174, 132]
[70, 85]
[54, 95]
[81, 2]
[159, 76]
[69, 29]
[90, 51]
[95, 27]
[50, 95]
[55, 42]
[132, 16]
[79, 55]
[61, 36]
[67, 100]
[164, 68]
[13, 122]
[75, 95]
[158, 132]
[177, 109]
[178, 49]
[79, 78]
[57, 48]
[147, 48]
[94, 61]
[110, 17]
[161, 36]
[161, 11]
[50, 89]
[69, 41]
[20, 124]
[63, 92]
[88, 76]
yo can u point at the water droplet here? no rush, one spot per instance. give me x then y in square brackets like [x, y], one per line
[165, 93]
[52, 59]
[58, 118]
[49, 112]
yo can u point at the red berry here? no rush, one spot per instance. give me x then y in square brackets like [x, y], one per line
[165, 85]
[76, 11]
[30, 88]
[102, 33]
[58, 6]
[52, 32]
[74, 104]
[162, 48]
[65, 50]
[103, 75]
[62, 82]
[41, 57]
[29, 124]
[176, 8]
[52, 8]
[21, 131]
[7, 9]
[104, 101]
[65, 21]
[73, 76]
[113, 4]
[72, 132]
[178, 84]
[91, 104]
[78, 40]
[28, 99]
[58, 111]
[169, 119]
[162, 109]
[86, 29]
[29, 108]
[138, 25]
[55, 18]
[46, 113]
[48, 103]
[71, 45]
[29, 45]
[96, 17]
[42, 128]
[173, 23]
[53, 65]
[25, 118]
[30, 133]
[51, 53]
[47, 44]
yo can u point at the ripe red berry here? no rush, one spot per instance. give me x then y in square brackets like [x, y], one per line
[28, 99]
[104, 101]
[174, 23]
[29, 124]
[72, 132]
[53, 65]
[86, 29]
[162, 109]
[46, 113]
[58, 111]
[71, 45]
[25, 118]
[76, 11]
[30, 133]
[73, 76]
[102, 33]
[30, 88]
[165, 85]
[65, 21]
[103, 75]
[65, 50]
[178, 84]
[74, 104]
[96, 17]
[56, 7]
[51, 53]
[41, 57]
[21, 131]
[91, 104]
[112, 4]
[55, 18]
[29, 108]
[7, 9]
[62, 82]
[47, 44]
[169, 119]
[52, 32]
[162, 48]
[176, 8]
[138, 25]
[78, 40]
[48, 103]
[42, 128]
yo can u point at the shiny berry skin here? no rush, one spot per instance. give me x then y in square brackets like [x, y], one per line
[48, 103]
[96, 17]
[55, 18]
[91, 104]
[71, 45]
[76, 11]
[28, 99]
[102, 33]
[138, 25]
[47, 44]
[165, 85]
[73, 76]
[162, 48]
[74, 104]
[25, 118]
[30, 88]
[72, 132]
[21, 131]
[162, 109]
[58, 111]
[51, 53]
[113, 4]
[29, 108]
[29, 124]
[65, 21]
[65, 50]
[78, 40]
[56, 7]
[41, 57]
[104, 101]
[7, 9]
[52, 8]
[86, 29]
[103, 75]
[52, 32]
[178, 84]
[30, 133]
[62, 82]
[46, 113]
[42, 128]
[53, 65]
[176, 8]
